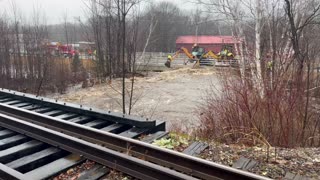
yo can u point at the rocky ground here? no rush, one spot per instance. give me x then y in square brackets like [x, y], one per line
[77, 172]
[303, 161]
[272, 162]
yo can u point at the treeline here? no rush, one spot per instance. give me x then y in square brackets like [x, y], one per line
[25, 62]
[120, 31]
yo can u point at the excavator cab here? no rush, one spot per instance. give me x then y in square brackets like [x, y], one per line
[197, 52]
[226, 52]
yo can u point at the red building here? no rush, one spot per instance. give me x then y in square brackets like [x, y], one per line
[214, 43]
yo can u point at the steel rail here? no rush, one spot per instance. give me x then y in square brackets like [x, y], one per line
[8, 173]
[115, 160]
[79, 109]
[180, 162]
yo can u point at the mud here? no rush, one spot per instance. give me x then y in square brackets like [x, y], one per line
[173, 96]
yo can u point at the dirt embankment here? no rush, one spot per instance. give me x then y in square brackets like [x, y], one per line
[172, 95]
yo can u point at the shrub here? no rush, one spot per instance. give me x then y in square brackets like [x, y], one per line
[236, 113]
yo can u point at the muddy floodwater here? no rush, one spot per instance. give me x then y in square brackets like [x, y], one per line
[173, 96]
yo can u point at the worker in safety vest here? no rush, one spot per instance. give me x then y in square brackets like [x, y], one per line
[224, 52]
[269, 65]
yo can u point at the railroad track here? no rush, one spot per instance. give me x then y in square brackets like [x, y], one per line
[128, 126]
[115, 151]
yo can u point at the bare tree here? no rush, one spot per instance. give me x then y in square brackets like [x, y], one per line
[301, 50]
[258, 29]
[133, 47]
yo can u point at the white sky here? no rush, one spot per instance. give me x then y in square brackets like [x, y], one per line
[56, 9]
[53, 9]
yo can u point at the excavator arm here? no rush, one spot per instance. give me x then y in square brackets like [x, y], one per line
[211, 54]
[171, 58]
[185, 50]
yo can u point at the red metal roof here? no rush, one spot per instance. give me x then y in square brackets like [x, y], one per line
[206, 40]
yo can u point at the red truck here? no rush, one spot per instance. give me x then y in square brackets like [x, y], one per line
[68, 50]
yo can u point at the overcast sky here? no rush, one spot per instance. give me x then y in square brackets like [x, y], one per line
[55, 9]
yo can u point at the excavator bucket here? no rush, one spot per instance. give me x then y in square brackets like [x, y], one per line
[168, 63]
[197, 64]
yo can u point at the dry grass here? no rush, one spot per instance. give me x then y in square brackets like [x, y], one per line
[52, 74]
[239, 114]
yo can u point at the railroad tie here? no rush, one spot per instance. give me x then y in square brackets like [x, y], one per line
[245, 164]
[291, 176]
[96, 172]
[155, 136]
[195, 148]
[55, 167]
